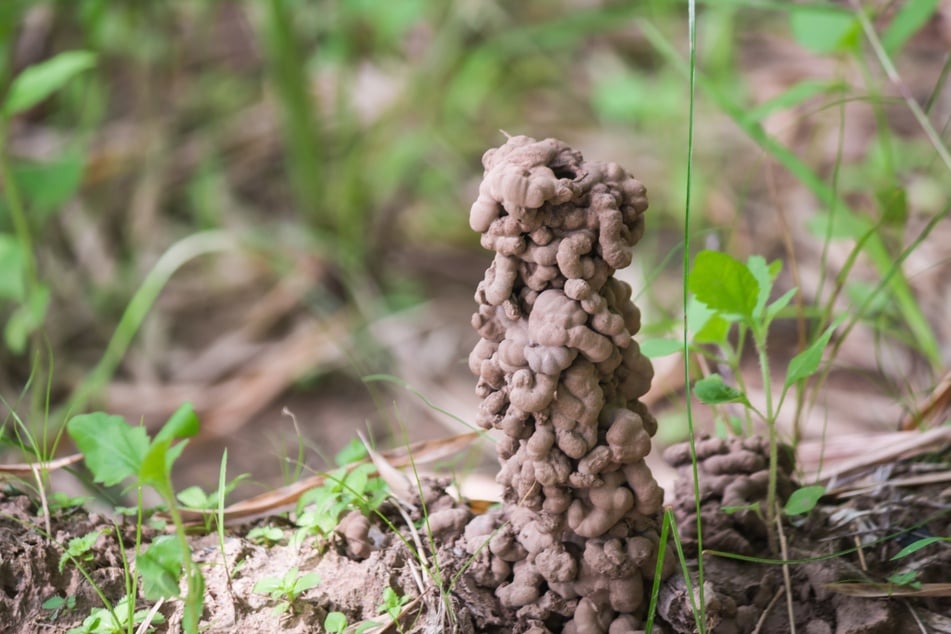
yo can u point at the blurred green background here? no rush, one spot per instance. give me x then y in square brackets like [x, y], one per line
[252, 203]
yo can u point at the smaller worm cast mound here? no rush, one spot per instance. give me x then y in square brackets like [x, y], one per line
[559, 374]
[734, 474]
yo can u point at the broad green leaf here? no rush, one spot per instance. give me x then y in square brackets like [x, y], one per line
[54, 603]
[917, 545]
[161, 568]
[724, 284]
[306, 582]
[807, 362]
[698, 314]
[194, 497]
[893, 201]
[13, 265]
[654, 348]
[46, 186]
[353, 451]
[172, 455]
[713, 391]
[804, 499]
[764, 279]
[913, 15]
[113, 449]
[39, 81]
[715, 331]
[157, 464]
[154, 469]
[268, 585]
[824, 31]
[335, 622]
[182, 424]
[781, 303]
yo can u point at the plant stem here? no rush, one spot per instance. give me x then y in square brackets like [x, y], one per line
[759, 338]
[190, 616]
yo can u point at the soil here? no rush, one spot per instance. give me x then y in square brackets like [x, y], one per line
[840, 560]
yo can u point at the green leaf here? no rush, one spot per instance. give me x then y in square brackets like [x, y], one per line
[907, 578]
[79, 548]
[893, 202]
[917, 545]
[39, 81]
[46, 186]
[155, 467]
[13, 265]
[194, 497]
[724, 284]
[335, 622]
[844, 225]
[807, 362]
[698, 314]
[764, 279]
[777, 306]
[804, 499]
[824, 31]
[182, 424]
[653, 348]
[795, 95]
[713, 391]
[913, 15]
[354, 451]
[714, 331]
[305, 582]
[161, 568]
[113, 449]
[27, 319]
[268, 585]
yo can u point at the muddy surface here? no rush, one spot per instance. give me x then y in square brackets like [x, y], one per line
[842, 569]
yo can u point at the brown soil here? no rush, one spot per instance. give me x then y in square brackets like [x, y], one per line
[842, 559]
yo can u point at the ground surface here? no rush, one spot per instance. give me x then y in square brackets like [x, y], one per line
[839, 582]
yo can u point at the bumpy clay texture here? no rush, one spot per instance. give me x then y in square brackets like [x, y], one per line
[574, 548]
[734, 475]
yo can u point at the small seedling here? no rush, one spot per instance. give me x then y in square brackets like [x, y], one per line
[266, 535]
[115, 451]
[59, 501]
[79, 549]
[161, 567]
[117, 621]
[358, 487]
[194, 497]
[804, 499]
[908, 578]
[57, 604]
[392, 605]
[730, 293]
[335, 623]
[287, 589]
